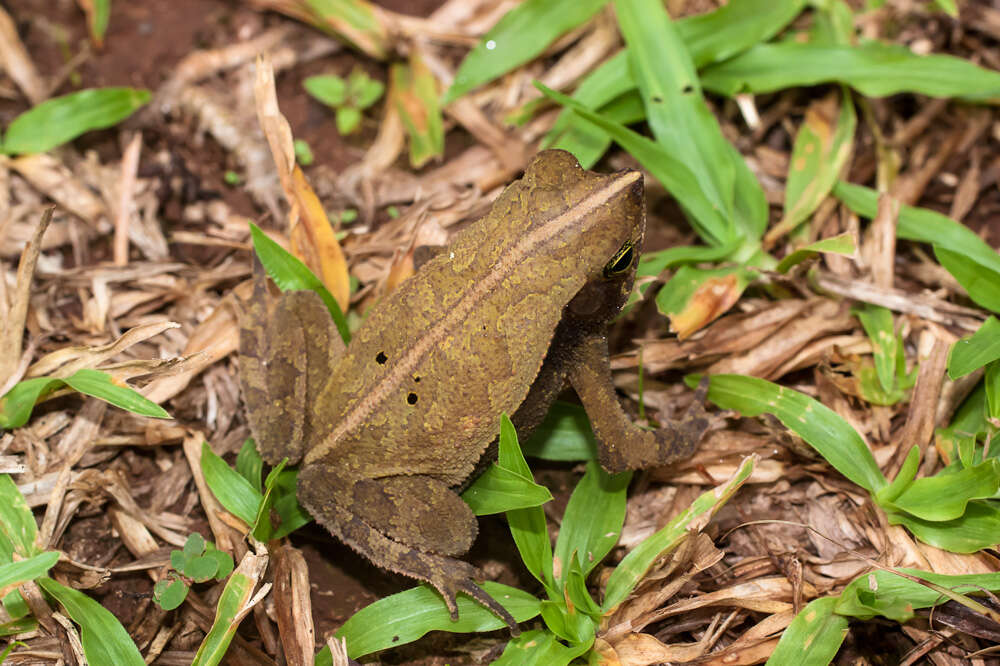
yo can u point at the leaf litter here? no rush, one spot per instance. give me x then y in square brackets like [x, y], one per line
[134, 271]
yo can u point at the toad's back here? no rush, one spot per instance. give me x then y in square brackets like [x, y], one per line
[422, 385]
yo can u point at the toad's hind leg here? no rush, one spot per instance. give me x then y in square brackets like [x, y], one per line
[288, 345]
[413, 525]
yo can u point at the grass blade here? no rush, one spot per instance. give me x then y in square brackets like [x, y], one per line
[100, 385]
[813, 637]
[105, 641]
[404, 617]
[17, 524]
[232, 490]
[415, 95]
[821, 427]
[523, 33]
[61, 119]
[976, 351]
[13, 574]
[873, 69]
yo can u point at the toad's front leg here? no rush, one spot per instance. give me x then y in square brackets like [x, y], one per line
[622, 444]
[413, 525]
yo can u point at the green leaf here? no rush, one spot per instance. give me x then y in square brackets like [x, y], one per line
[633, 567]
[538, 648]
[348, 119]
[842, 244]
[201, 568]
[17, 404]
[813, 637]
[249, 464]
[565, 434]
[527, 526]
[223, 562]
[822, 148]
[415, 96]
[280, 500]
[105, 641]
[13, 574]
[522, 34]
[353, 21]
[907, 472]
[235, 594]
[290, 274]
[404, 617]
[820, 427]
[233, 491]
[976, 529]
[944, 497]
[886, 345]
[498, 490]
[329, 89]
[170, 593]
[61, 119]
[194, 545]
[593, 519]
[17, 524]
[873, 69]
[888, 594]
[365, 90]
[983, 286]
[926, 226]
[695, 296]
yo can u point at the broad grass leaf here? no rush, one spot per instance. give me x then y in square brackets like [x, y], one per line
[538, 648]
[821, 427]
[873, 69]
[842, 244]
[233, 491]
[18, 529]
[290, 274]
[878, 325]
[13, 574]
[228, 615]
[105, 641]
[886, 593]
[61, 119]
[100, 385]
[978, 528]
[822, 148]
[415, 96]
[565, 434]
[633, 567]
[983, 286]
[945, 496]
[498, 490]
[694, 297]
[404, 617]
[813, 637]
[975, 351]
[593, 519]
[522, 34]
[354, 21]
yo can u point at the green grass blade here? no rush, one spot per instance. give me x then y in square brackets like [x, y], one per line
[735, 27]
[290, 274]
[100, 385]
[105, 641]
[633, 567]
[404, 617]
[17, 404]
[354, 21]
[821, 427]
[13, 574]
[842, 244]
[527, 526]
[878, 325]
[498, 490]
[565, 434]
[982, 286]
[679, 180]
[945, 497]
[978, 528]
[414, 92]
[229, 612]
[976, 351]
[588, 142]
[523, 33]
[593, 519]
[813, 637]
[822, 147]
[873, 69]
[61, 119]
[18, 529]
[233, 491]
[926, 226]
[888, 594]
[538, 648]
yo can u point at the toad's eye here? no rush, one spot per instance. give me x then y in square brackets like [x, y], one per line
[621, 262]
